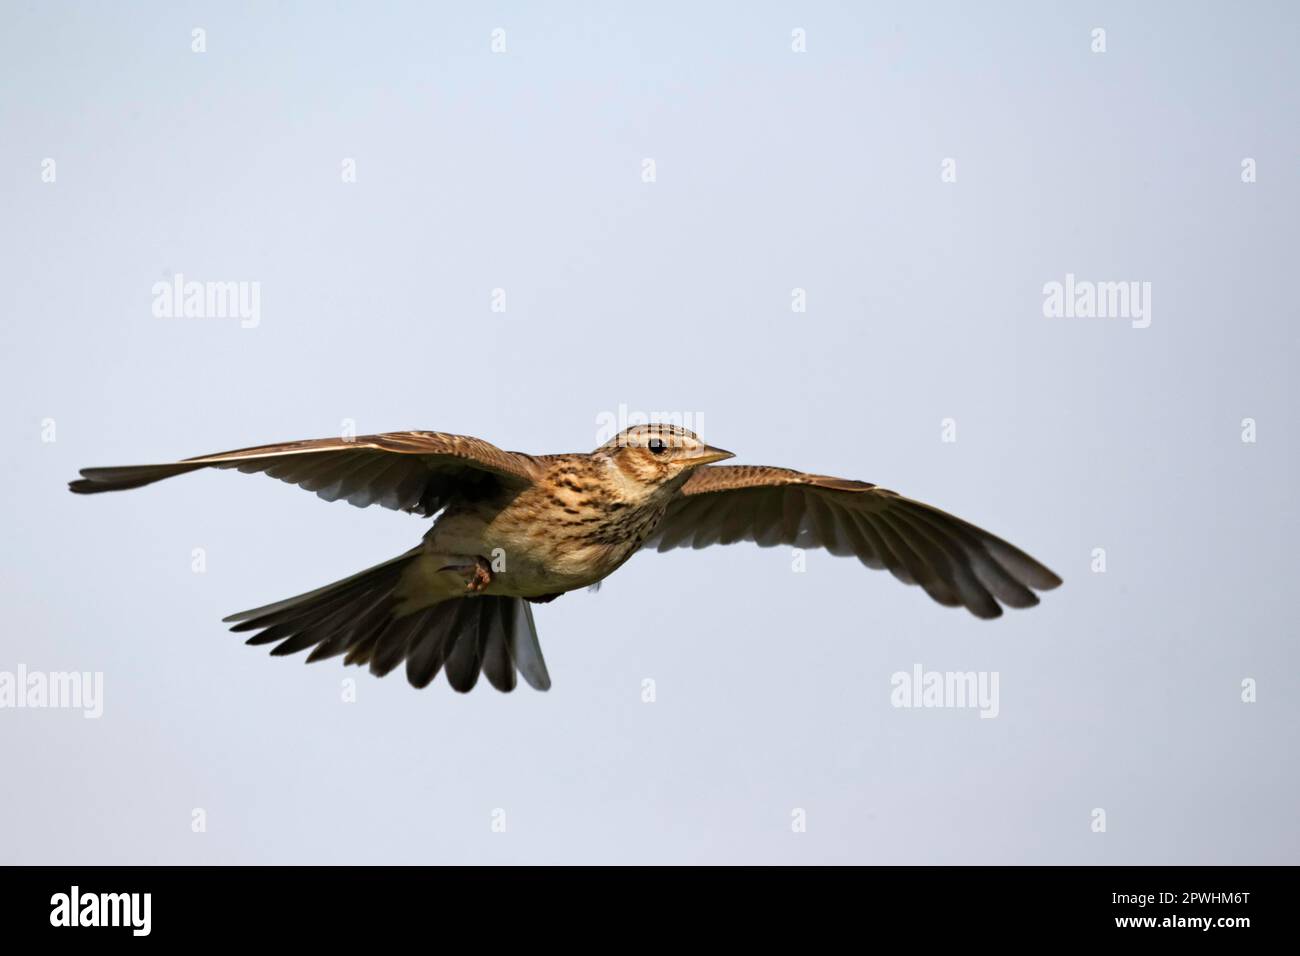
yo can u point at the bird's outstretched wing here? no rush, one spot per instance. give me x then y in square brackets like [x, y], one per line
[406, 471]
[955, 562]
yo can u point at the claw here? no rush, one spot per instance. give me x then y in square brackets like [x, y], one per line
[477, 575]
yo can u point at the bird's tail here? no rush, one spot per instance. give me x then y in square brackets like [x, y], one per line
[364, 617]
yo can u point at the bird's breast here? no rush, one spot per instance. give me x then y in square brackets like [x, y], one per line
[548, 539]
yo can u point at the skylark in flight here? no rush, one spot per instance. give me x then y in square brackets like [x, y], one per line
[515, 529]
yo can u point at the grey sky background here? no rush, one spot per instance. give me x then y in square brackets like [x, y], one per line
[775, 170]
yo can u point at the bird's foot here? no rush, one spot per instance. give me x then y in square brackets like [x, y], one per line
[477, 575]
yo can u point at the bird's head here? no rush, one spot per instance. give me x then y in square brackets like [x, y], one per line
[658, 455]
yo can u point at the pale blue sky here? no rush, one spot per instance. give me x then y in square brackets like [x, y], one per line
[775, 170]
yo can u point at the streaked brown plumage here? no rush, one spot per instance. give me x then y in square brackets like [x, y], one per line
[514, 529]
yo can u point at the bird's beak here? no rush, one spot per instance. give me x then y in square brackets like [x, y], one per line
[708, 455]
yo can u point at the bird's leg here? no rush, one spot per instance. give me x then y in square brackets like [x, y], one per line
[476, 571]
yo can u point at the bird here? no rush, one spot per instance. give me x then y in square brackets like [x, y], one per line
[511, 530]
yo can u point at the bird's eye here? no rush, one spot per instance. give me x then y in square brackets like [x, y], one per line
[657, 446]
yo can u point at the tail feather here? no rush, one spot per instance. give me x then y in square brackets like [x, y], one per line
[340, 641]
[360, 617]
[465, 657]
[424, 662]
[524, 649]
[497, 664]
[379, 574]
[397, 636]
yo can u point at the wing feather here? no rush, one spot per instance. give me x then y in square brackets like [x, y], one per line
[407, 471]
[953, 561]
